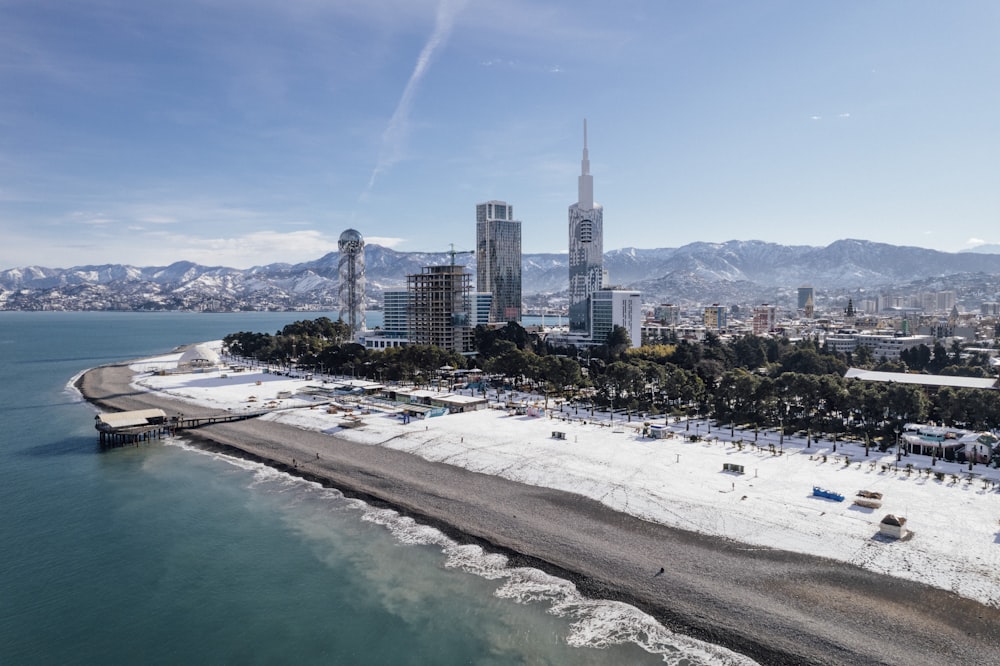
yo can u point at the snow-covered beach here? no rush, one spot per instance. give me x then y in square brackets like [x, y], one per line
[954, 539]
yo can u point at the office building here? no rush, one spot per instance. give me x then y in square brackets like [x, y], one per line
[765, 318]
[498, 259]
[613, 307]
[667, 314]
[715, 318]
[393, 332]
[480, 308]
[807, 301]
[586, 246]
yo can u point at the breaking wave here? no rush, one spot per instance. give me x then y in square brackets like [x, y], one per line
[594, 623]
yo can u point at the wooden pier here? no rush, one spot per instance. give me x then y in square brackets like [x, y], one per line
[132, 428]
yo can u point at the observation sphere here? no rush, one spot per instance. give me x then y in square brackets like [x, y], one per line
[351, 242]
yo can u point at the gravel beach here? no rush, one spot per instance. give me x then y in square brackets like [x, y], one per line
[774, 606]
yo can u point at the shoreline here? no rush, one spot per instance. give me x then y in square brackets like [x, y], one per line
[773, 606]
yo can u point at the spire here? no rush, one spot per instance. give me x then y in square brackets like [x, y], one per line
[585, 185]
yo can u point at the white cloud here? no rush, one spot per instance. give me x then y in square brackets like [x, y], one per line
[91, 219]
[384, 241]
[252, 249]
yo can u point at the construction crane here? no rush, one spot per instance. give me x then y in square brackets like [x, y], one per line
[452, 252]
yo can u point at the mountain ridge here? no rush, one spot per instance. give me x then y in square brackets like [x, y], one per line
[733, 271]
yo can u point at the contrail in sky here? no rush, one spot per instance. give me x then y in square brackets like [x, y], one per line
[394, 133]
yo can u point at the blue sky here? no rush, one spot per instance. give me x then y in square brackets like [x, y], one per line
[246, 132]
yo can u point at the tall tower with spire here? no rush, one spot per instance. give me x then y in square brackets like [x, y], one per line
[586, 246]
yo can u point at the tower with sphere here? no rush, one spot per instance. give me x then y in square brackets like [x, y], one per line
[351, 270]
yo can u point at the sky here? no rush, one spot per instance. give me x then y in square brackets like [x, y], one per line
[248, 132]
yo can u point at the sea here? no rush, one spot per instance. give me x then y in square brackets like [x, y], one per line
[167, 554]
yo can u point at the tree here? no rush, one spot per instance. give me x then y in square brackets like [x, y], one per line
[867, 403]
[939, 359]
[749, 351]
[906, 403]
[736, 395]
[622, 384]
[487, 338]
[862, 357]
[515, 363]
[806, 360]
[618, 342]
[686, 355]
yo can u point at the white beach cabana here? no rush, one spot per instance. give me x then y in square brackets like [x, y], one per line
[197, 358]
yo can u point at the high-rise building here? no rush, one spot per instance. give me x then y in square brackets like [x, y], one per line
[498, 259]
[614, 307]
[765, 318]
[480, 308]
[393, 332]
[714, 317]
[394, 312]
[437, 311]
[586, 246]
[351, 270]
[807, 301]
[946, 301]
[667, 314]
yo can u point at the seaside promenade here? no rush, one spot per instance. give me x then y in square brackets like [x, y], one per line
[774, 606]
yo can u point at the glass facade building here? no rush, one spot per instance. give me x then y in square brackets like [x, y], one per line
[498, 259]
[586, 246]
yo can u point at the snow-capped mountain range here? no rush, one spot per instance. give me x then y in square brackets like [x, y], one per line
[735, 271]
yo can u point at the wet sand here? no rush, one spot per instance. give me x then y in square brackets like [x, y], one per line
[774, 606]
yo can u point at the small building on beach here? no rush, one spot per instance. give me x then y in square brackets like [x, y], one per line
[197, 358]
[893, 526]
[118, 428]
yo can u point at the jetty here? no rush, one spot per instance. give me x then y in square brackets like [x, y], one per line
[141, 425]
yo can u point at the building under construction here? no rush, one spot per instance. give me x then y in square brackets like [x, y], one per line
[437, 309]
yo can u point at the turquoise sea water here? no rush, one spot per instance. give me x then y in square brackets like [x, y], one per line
[164, 554]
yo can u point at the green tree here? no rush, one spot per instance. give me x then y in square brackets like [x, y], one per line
[618, 342]
[906, 403]
[749, 351]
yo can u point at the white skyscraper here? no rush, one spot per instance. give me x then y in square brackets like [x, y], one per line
[616, 307]
[586, 246]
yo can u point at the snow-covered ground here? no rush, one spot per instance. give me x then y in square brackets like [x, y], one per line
[955, 535]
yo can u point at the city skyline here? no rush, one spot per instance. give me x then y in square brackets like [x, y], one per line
[242, 134]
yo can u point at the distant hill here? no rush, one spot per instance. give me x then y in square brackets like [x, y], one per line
[985, 249]
[731, 272]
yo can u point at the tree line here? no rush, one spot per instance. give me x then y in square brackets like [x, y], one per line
[748, 380]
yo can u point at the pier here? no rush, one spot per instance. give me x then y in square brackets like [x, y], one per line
[132, 428]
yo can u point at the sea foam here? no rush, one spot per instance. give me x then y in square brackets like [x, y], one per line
[594, 623]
